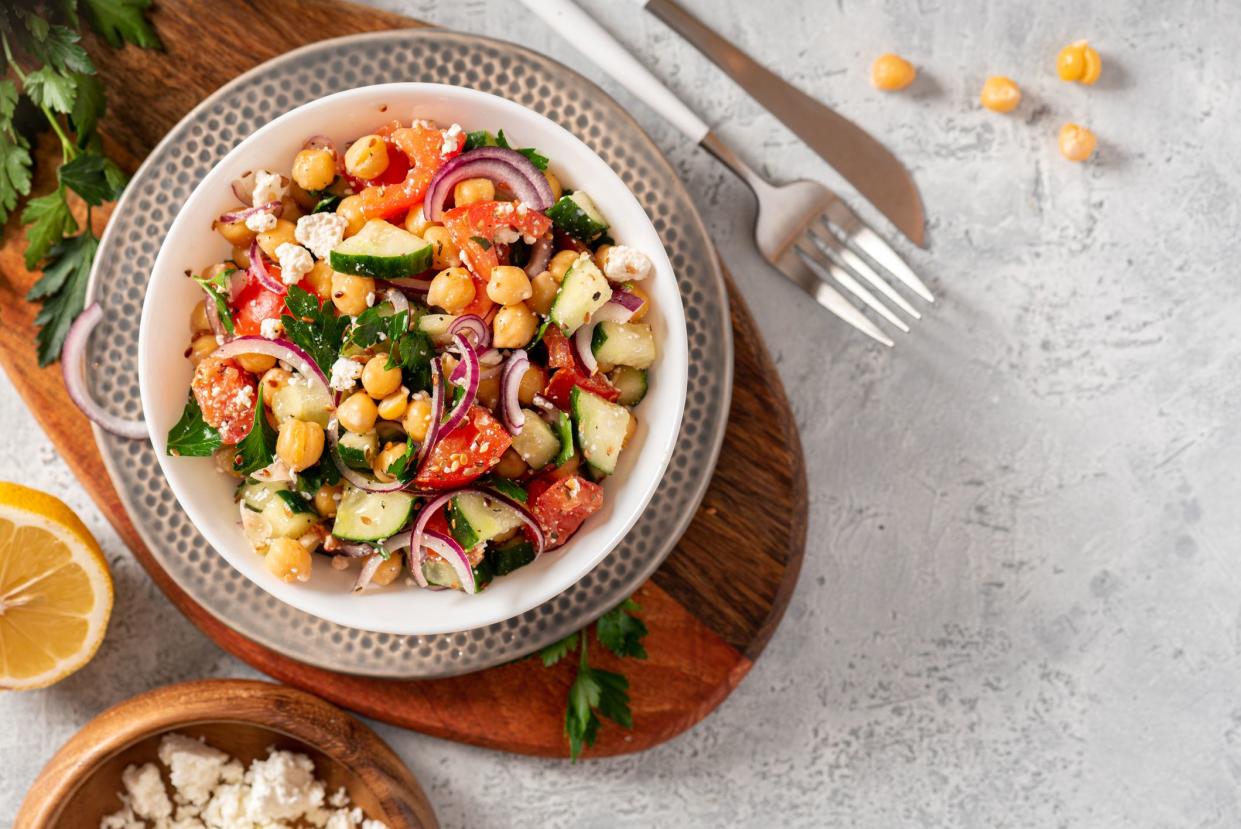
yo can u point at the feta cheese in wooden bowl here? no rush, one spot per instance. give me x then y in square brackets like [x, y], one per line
[232, 753]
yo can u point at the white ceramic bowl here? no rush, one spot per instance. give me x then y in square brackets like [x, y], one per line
[207, 496]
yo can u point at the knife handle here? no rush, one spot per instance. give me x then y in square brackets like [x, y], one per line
[592, 40]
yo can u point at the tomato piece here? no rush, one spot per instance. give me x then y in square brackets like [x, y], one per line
[439, 522]
[423, 149]
[253, 305]
[565, 379]
[466, 453]
[227, 395]
[561, 505]
[482, 220]
[481, 304]
[559, 349]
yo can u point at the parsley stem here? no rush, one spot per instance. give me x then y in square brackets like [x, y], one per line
[67, 150]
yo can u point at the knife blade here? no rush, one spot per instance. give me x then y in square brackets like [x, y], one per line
[851, 151]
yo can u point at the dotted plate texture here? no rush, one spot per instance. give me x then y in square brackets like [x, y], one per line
[195, 145]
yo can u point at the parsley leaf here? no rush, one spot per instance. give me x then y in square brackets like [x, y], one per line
[594, 690]
[327, 202]
[403, 468]
[190, 436]
[86, 175]
[50, 222]
[49, 88]
[57, 46]
[88, 107]
[315, 328]
[294, 502]
[121, 21]
[483, 243]
[476, 139]
[621, 632]
[413, 352]
[63, 291]
[375, 324]
[15, 161]
[217, 291]
[258, 448]
[532, 155]
[556, 651]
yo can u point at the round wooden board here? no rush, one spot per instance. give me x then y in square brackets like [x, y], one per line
[706, 626]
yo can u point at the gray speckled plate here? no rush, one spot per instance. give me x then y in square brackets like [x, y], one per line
[193, 147]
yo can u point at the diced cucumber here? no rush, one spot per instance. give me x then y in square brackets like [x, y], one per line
[536, 443]
[577, 216]
[584, 291]
[371, 516]
[383, 251]
[483, 574]
[358, 451]
[624, 344]
[510, 489]
[475, 519]
[440, 573]
[507, 556]
[600, 428]
[300, 398]
[285, 522]
[564, 428]
[436, 326]
[258, 495]
[631, 382]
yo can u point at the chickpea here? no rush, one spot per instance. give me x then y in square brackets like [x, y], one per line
[292, 210]
[256, 363]
[641, 294]
[415, 222]
[444, 252]
[452, 289]
[379, 380]
[300, 443]
[387, 571]
[513, 326]
[235, 233]
[561, 263]
[417, 418]
[892, 72]
[282, 233]
[392, 452]
[241, 256]
[273, 381]
[320, 278]
[314, 169]
[1079, 62]
[305, 200]
[554, 182]
[532, 382]
[367, 158]
[288, 560]
[472, 191]
[357, 413]
[489, 391]
[198, 318]
[510, 465]
[393, 406]
[508, 285]
[349, 292]
[327, 499]
[1077, 143]
[543, 289]
[1000, 94]
[350, 209]
[601, 257]
[201, 347]
[631, 426]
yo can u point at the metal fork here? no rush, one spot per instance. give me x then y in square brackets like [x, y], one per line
[804, 229]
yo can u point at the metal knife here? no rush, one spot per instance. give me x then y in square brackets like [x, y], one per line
[865, 163]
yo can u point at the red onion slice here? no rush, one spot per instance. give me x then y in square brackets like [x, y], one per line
[614, 310]
[510, 383]
[417, 533]
[369, 568]
[527, 518]
[301, 362]
[540, 255]
[275, 208]
[350, 474]
[73, 366]
[213, 319]
[472, 324]
[243, 187]
[437, 414]
[258, 269]
[508, 168]
[469, 382]
[320, 142]
[449, 550]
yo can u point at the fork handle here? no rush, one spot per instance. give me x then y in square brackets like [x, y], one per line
[592, 40]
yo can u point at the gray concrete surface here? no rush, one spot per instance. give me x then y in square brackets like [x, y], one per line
[1019, 606]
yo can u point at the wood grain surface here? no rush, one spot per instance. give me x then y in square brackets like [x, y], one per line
[711, 607]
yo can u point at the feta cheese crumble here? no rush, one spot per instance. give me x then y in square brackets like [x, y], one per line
[271, 328]
[268, 187]
[261, 222]
[625, 263]
[295, 262]
[345, 374]
[506, 236]
[320, 232]
[452, 137]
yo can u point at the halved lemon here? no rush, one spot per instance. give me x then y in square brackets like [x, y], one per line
[55, 590]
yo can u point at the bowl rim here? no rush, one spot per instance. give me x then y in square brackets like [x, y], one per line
[673, 363]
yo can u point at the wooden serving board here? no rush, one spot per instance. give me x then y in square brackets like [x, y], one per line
[707, 624]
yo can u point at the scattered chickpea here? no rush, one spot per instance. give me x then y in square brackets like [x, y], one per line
[357, 413]
[280, 234]
[452, 289]
[1077, 143]
[288, 560]
[631, 426]
[543, 290]
[320, 278]
[274, 379]
[256, 363]
[508, 285]
[472, 191]
[391, 453]
[532, 382]
[327, 498]
[510, 465]
[314, 169]
[444, 253]
[393, 406]
[387, 571]
[367, 157]
[379, 380]
[349, 292]
[201, 347]
[304, 199]
[300, 443]
[415, 222]
[561, 263]
[241, 256]
[1079, 62]
[350, 209]
[892, 72]
[417, 418]
[641, 294]
[489, 391]
[235, 233]
[198, 318]
[553, 181]
[1000, 94]
[513, 326]
[601, 257]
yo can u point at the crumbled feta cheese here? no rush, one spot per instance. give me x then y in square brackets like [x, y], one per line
[522, 208]
[261, 222]
[295, 262]
[268, 187]
[452, 138]
[194, 767]
[147, 796]
[320, 232]
[422, 122]
[282, 786]
[244, 397]
[345, 374]
[271, 328]
[506, 236]
[624, 264]
[370, 299]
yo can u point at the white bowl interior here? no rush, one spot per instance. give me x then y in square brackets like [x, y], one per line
[207, 496]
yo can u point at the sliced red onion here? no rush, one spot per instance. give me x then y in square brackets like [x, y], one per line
[510, 383]
[417, 534]
[469, 382]
[236, 281]
[213, 319]
[350, 474]
[632, 302]
[472, 324]
[449, 550]
[320, 142]
[411, 283]
[275, 208]
[503, 166]
[614, 310]
[355, 549]
[369, 568]
[281, 350]
[243, 187]
[258, 269]
[540, 255]
[73, 366]
[438, 393]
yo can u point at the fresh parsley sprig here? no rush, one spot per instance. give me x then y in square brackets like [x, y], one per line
[595, 691]
[53, 76]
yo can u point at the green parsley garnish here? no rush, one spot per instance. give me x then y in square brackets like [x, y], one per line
[190, 436]
[217, 291]
[258, 448]
[314, 327]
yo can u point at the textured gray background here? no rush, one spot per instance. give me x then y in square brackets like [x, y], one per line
[1017, 606]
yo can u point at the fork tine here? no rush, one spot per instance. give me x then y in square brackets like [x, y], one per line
[809, 250]
[823, 233]
[859, 236]
[797, 271]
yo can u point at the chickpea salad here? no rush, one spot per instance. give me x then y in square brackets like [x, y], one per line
[423, 353]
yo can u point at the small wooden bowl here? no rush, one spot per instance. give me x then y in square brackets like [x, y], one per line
[243, 718]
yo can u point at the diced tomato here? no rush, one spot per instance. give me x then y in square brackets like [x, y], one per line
[439, 522]
[564, 379]
[481, 220]
[481, 304]
[422, 147]
[227, 395]
[561, 505]
[253, 305]
[559, 349]
[466, 453]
